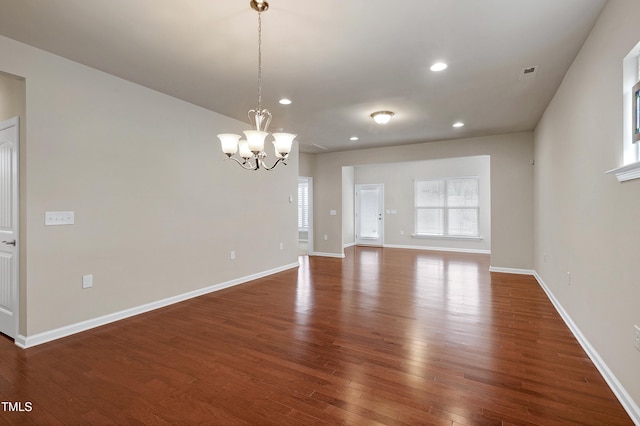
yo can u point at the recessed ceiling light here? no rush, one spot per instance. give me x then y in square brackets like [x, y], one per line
[438, 66]
[285, 101]
[458, 124]
[353, 138]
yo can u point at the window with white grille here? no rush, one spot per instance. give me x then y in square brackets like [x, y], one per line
[447, 207]
[303, 205]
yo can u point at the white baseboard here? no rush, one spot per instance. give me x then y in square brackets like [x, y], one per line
[512, 270]
[321, 254]
[448, 249]
[349, 245]
[620, 392]
[58, 333]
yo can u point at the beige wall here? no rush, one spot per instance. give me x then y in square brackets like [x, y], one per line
[306, 165]
[587, 223]
[157, 209]
[398, 180]
[348, 206]
[511, 190]
[11, 96]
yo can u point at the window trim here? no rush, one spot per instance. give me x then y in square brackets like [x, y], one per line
[446, 237]
[635, 115]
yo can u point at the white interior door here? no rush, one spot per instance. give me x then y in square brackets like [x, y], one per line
[369, 217]
[9, 227]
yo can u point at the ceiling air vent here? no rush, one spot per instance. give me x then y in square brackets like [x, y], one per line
[528, 73]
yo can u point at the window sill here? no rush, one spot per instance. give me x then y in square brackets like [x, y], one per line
[626, 173]
[445, 237]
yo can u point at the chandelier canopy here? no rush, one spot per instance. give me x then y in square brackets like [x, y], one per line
[251, 149]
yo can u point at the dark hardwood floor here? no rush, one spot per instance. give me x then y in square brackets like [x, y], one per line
[384, 336]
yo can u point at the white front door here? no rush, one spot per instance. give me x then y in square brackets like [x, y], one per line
[9, 227]
[369, 217]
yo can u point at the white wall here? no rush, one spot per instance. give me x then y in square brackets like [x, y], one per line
[157, 209]
[587, 224]
[398, 180]
[511, 190]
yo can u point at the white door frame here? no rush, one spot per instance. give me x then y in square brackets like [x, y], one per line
[380, 240]
[12, 234]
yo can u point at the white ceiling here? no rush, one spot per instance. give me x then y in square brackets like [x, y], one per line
[337, 60]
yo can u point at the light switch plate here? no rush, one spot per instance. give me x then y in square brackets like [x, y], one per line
[59, 218]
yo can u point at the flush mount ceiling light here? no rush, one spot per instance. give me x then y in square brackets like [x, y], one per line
[438, 66]
[382, 117]
[285, 101]
[252, 148]
[458, 124]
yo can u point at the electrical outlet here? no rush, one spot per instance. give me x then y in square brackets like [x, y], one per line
[568, 278]
[233, 255]
[281, 246]
[87, 281]
[637, 337]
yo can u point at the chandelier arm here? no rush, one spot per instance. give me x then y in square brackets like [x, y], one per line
[280, 160]
[242, 163]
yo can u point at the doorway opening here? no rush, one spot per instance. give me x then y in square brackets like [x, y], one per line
[9, 282]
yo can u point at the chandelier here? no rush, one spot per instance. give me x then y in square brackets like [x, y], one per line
[251, 150]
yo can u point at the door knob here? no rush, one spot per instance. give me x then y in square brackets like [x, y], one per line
[12, 242]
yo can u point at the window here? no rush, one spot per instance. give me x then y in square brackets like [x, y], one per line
[635, 111]
[303, 205]
[447, 207]
[630, 168]
[631, 87]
